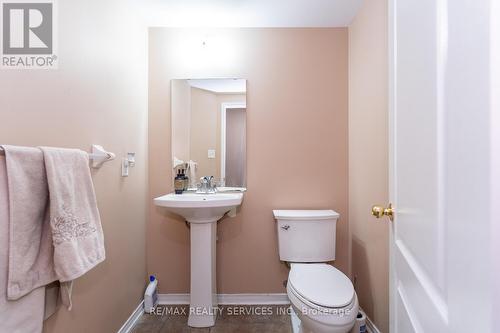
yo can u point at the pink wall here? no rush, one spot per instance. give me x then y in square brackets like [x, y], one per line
[296, 145]
[203, 129]
[181, 117]
[368, 158]
[98, 95]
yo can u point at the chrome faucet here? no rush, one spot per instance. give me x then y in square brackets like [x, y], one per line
[207, 185]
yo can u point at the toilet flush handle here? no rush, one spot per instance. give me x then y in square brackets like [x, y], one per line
[285, 227]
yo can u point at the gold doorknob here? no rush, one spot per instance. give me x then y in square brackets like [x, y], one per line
[380, 211]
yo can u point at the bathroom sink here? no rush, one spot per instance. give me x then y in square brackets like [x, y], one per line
[200, 208]
[202, 211]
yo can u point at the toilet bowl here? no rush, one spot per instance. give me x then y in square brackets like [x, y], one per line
[323, 298]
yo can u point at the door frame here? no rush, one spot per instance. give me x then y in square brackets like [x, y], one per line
[391, 45]
[223, 109]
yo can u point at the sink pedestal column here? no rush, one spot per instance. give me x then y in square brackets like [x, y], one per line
[202, 211]
[203, 304]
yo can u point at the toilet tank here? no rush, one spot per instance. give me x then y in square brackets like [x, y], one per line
[306, 235]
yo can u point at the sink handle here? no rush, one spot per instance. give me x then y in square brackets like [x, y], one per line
[207, 185]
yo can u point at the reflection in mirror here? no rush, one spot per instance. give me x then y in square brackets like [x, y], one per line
[209, 130]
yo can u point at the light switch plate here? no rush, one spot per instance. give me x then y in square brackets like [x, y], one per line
[211, 153]
[125, 167]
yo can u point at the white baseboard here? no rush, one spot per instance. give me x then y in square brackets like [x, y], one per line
[370, 326]
[229, 299]
[253, 299]
[173, 299]
[129, 324]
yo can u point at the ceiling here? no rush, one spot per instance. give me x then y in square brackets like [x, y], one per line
[228, 86]
[250, 13]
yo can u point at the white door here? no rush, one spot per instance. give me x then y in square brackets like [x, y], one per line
[442, 176]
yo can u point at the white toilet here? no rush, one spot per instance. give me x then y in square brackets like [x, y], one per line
[322, 297]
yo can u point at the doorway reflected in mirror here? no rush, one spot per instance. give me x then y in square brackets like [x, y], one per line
[209, 129]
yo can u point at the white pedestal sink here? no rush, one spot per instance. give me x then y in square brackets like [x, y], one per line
[202, 211]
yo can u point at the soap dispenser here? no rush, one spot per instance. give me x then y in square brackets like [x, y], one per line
[186, 179]
[179, 182]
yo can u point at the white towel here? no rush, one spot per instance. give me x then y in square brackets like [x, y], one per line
[177, 162]
[192, 166]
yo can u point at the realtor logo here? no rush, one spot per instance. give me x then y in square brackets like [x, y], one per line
[28, 32]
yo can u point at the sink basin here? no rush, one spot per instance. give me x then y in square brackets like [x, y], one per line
[200, 208]
[202, 211]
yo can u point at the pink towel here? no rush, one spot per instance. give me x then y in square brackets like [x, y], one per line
[55, 229]
[26, 314]
[74, 218]
[31, 253]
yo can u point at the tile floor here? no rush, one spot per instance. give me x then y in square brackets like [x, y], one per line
[231, 318]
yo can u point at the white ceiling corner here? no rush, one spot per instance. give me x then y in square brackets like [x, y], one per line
[219, 86]
[249, 13]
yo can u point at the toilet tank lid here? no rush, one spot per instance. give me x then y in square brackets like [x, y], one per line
[305, 214]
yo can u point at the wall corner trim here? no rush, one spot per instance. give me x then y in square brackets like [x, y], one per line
[130, 323]
[371, 328]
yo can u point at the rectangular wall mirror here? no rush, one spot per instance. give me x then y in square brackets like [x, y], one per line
[209, 129]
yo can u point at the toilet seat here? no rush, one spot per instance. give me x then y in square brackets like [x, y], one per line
[321, 286]
[313, 319]
[311, 309]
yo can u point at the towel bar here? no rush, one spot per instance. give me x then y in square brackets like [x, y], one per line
[98, 155]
